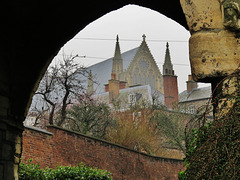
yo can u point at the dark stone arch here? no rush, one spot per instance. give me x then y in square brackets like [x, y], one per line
[32, 32]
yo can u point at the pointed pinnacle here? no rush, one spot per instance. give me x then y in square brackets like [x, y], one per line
[117, 38]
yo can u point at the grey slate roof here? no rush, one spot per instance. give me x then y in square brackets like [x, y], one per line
[102, 71]
[195, 94]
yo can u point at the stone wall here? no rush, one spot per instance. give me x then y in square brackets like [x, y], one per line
[63, 147]
[10, 148]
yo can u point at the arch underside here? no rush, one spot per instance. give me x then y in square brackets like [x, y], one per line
[33, 33]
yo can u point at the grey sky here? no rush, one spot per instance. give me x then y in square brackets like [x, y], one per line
[130, 23]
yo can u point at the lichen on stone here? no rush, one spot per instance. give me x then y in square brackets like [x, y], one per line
[231, 10]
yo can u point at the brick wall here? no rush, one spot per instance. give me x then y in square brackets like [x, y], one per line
[38, 146]
[63, 147]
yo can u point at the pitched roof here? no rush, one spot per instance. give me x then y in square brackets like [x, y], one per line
[195, 94]
[102, 71]
[143, 48]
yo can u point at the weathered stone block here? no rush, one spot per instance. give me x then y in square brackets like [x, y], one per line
[16, 160]
[230, 87]
[214, 48]
[15, 169]
[213, 54]
[18, 148]
[202, 14]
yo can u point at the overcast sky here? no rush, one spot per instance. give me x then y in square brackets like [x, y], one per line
[97, 40]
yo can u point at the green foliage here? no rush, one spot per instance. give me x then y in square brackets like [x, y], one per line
[182, 175]
[213, 150]
[31, 171]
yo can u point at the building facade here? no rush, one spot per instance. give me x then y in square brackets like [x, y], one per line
[136, 67]
[194, 99]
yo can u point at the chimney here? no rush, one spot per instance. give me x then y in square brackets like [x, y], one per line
[191, 84]
[113, 76]
[113, 88]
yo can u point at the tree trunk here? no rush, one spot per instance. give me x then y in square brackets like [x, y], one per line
[64, 108]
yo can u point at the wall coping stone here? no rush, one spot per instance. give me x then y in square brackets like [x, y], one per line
[38, 129]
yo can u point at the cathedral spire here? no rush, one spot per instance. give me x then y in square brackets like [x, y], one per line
[167, 66]
[117, 65]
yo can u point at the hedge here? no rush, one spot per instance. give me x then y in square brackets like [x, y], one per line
[32, 171]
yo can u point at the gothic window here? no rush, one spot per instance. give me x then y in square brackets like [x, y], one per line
[136, 71]
[166, 71]
[143, 64]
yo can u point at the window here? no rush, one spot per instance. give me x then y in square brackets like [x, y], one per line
[132, 98]
[191, 109]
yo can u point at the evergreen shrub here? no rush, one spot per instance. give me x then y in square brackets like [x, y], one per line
[32, 171]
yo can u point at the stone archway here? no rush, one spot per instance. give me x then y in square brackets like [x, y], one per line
[31, 35]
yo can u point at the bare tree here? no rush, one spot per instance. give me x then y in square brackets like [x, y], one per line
[70, 79]
[61, 85]
[47, 89]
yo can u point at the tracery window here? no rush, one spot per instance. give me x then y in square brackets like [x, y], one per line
[143, 64]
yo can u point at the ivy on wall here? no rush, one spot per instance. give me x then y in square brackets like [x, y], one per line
[213, 148]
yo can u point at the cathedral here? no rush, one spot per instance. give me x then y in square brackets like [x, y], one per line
[128, 72]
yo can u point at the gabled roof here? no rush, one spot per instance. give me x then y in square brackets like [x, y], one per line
[195, 94]
[143, 48]
[102, 71]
